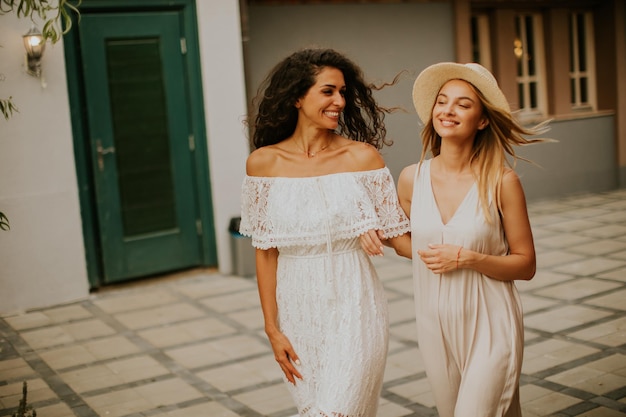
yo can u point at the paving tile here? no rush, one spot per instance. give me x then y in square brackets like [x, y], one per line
[599, 247]
[118, 403]
[215, 352]
[15, 369]
[67, 333]
[28, 320]
[531, 392]
[38, 390]
[542, 278]
[602, 412]
[550, 404]
[55, 410]
[621, 255]
[389, 409]
[243, 374]
[231, 302]
[615, 300]
[404, 332]
[572, 226]
[605, 232]
[114, 303]
[168, 392]
[402, 364]
[267, 400]
[590, 266]
[578, 288]
[186, 332]
[400, 268]
[548, 259]
[250, 319]
[531, 303]
[215, 285]
[551, 353]
[611, 333]
[158, 316]
[561, 240]
[403, 286]
[401, 310]
[54, 315]
[417, 391]
[617, 274]
[209, 409]
[562, 318]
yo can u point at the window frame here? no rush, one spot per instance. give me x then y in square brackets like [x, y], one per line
[525, 79]
[575, 73]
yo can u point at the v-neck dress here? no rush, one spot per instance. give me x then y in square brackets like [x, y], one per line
[470, 326]
[331, 304]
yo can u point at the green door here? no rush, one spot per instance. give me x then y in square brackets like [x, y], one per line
[141, 145]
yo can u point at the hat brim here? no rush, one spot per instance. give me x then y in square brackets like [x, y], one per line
[429, 82]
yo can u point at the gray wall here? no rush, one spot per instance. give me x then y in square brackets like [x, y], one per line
[385, 39]
[583, 159]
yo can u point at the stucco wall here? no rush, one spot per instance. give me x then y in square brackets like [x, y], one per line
[42, 259]
[221, 59]
[582, 160]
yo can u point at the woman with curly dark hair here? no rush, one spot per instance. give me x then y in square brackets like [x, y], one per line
[314, 184]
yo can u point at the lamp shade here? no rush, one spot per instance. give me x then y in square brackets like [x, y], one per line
[34, 43]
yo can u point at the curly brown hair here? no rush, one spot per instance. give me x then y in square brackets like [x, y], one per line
[276, 116]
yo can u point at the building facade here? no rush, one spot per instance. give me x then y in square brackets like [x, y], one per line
[125, 160]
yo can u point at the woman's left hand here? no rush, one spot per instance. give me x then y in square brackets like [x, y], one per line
[441, 258]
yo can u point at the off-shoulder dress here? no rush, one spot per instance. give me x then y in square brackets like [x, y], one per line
[331, 303]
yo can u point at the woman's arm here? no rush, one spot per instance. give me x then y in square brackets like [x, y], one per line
[266, 263]
[520, 263]
[372, 242]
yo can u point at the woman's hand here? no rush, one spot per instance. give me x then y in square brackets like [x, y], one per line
[285, 356]
[372, 242]
[441, 258]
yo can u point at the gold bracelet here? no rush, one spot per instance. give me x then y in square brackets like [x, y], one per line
[457, 257]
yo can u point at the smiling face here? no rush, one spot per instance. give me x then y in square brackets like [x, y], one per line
[321, 106]
[458, 111]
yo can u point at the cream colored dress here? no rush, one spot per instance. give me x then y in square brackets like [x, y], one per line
[331, 304]
[470, 327]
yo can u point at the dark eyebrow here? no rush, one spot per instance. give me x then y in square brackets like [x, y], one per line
[329, 85]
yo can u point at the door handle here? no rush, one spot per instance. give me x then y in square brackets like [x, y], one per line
[100, 151]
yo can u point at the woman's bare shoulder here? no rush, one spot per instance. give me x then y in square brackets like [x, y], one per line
[260, 161]
[365, 156]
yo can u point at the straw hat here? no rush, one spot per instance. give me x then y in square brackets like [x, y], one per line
[430, 81]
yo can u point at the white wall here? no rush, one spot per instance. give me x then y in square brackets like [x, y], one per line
[225, 109]
[42, 259]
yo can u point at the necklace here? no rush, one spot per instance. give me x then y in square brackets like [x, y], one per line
[310, 154]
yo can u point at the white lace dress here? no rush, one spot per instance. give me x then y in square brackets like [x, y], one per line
[331, 304]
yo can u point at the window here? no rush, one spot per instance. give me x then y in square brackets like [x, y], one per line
[582, 80]
[528, 50]
[481, 52]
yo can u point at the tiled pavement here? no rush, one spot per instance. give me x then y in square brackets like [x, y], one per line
[192, 344]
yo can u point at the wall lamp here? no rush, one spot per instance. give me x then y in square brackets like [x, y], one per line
[35, 45]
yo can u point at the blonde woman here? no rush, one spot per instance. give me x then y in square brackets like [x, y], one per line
[472, 237]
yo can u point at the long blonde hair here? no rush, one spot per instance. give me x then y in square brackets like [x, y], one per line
[489, 150]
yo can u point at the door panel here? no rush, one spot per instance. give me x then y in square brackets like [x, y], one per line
[138, 120]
